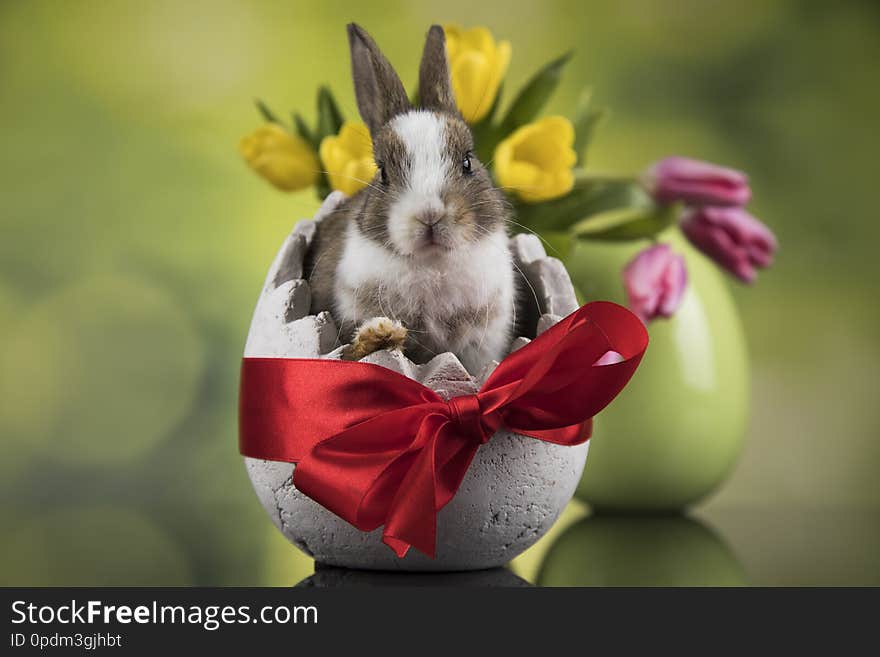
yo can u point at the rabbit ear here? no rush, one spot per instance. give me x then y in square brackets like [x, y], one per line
[435, 85]
[379, 91]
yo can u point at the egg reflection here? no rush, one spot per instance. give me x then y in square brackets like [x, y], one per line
[640, 551]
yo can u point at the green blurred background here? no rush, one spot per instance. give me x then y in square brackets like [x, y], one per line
[134, 243]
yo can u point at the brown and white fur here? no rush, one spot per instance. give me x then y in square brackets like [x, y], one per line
[419, 258]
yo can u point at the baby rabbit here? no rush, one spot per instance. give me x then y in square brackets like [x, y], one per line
[418, 259]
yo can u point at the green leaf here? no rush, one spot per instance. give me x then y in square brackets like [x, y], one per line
[628, 223]
[557, 243]
[322, 188]
[534, 95]
[329, 117]
[329, 122]
[302, 129]
[486, 138]
[265, 112]
[588, 197]
[586, 118]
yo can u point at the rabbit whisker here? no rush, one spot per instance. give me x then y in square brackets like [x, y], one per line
[526, 228]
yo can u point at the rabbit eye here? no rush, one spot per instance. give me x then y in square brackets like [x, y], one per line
[466, 163]
[383, 175]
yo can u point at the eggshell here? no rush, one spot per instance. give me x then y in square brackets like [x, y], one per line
[516, 486]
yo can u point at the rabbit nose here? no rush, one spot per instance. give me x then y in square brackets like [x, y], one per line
[430, 218]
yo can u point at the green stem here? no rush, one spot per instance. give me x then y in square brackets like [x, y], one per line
[589, 196]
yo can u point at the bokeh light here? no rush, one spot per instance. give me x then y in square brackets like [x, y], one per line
[101, 370]
[93, 546]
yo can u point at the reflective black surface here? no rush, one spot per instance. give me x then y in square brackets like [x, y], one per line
[332, 577]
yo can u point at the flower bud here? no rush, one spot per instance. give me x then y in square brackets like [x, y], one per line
[348, 158]
[655, 282]
[282, 158]
[477, 65]
[731, 237]
[536, 160]
[696, 183]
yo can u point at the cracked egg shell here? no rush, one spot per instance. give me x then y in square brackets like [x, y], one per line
[516, 486]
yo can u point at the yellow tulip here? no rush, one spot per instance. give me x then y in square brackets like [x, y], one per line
[477, 66]
[284, 159]
[348, 158]
[536, 160]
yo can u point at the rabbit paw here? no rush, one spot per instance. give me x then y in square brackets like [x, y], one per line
[373, 335]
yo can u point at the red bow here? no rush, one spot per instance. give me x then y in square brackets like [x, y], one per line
[378, 448]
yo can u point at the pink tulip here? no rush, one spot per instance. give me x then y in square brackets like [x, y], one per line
[731, 237]
[696, 183]
[655, 282]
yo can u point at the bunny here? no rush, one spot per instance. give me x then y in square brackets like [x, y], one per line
[419, 258]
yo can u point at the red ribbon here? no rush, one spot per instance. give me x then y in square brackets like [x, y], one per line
[377, 448]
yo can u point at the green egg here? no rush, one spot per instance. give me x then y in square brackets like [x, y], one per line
[674, 434]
